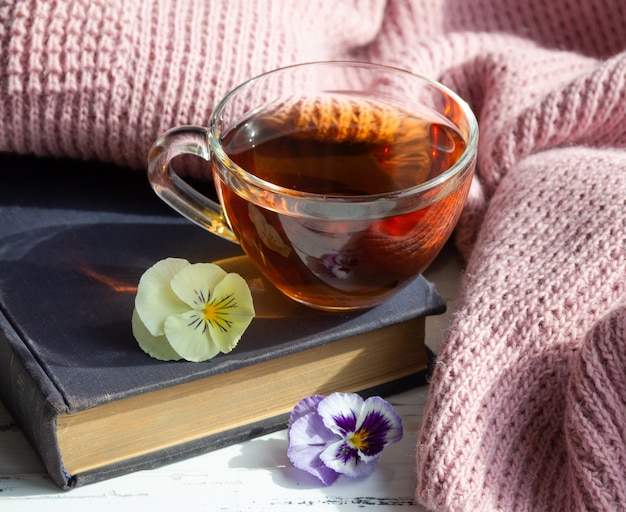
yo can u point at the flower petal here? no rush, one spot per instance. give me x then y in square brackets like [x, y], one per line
[155, 300]
[378, 425]
[305, 406]
[235, 285]
[344, 459]
[340, 412]
[155, 346]
[194, 284]
[189, 336]
[226, 339]
[233, 311]
[308, 437]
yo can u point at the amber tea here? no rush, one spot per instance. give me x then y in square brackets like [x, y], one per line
[338, 149]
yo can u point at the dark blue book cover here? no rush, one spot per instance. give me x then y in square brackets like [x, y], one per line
[74, 240]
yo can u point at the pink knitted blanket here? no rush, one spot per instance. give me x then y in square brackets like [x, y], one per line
[527, 409]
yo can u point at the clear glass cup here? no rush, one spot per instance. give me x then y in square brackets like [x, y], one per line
[341, 181]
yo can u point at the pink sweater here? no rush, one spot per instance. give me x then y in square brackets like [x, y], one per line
[527, 409]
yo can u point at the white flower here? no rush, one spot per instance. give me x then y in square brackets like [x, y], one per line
[190, 311]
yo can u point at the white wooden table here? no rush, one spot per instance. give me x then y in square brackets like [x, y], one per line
[252, 476]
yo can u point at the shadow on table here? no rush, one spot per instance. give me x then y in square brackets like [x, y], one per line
[271, 455]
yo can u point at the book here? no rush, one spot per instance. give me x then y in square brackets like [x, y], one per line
[74, 240]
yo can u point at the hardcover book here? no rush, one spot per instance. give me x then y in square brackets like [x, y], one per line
[74, 240]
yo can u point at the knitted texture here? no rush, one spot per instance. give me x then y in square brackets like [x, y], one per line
[101, 79]
[596, 415]
[510, 424]
[527, 402]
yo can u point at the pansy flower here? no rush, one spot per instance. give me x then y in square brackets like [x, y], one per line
[190, 311]
[341, 434]
[339, 265]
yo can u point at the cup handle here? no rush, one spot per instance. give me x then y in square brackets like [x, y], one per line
[190, 140]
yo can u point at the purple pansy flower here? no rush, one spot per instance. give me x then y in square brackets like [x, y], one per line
[339, 265]
[341, 434]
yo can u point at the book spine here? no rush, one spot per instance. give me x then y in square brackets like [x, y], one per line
[32, 400]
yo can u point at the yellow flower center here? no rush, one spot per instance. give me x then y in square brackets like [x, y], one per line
[359, 440]
[210, 312]
[217, 312]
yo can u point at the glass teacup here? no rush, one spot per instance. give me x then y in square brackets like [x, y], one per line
[341, 181]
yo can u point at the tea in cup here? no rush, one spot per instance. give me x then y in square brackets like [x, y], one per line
[341, 181]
